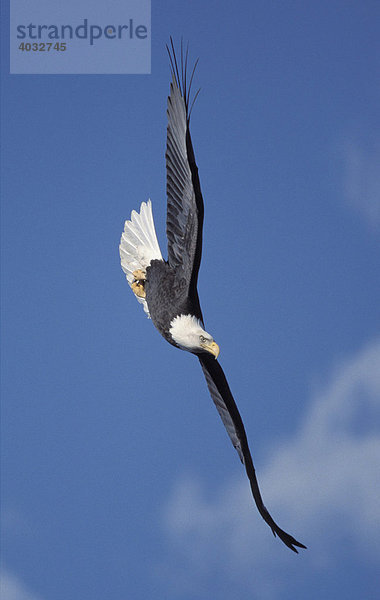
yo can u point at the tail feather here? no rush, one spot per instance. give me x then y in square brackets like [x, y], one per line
[139, 244]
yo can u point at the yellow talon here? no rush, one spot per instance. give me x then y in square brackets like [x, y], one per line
[138, 289]
[139, 275]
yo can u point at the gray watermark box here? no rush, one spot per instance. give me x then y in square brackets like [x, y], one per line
[80, 37]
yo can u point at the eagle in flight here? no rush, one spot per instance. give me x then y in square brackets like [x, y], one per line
[167, 289]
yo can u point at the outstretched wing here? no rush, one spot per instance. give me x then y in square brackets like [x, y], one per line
[185, 203]
[225, 403]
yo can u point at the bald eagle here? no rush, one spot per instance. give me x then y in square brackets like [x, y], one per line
[167, 289]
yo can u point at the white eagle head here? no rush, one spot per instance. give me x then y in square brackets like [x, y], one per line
[188, 334]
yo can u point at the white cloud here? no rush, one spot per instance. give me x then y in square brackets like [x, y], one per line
[12, 588]
[322, 486]
[362, 180]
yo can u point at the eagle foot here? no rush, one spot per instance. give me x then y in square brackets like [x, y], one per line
[138, 289]
[139, 275]
[138, 285]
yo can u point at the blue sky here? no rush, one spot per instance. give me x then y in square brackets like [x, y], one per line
[118, 478]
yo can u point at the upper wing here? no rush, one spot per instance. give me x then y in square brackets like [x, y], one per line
[221, 395]
[185, 203]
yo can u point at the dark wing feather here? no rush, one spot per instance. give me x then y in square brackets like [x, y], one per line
[185, 203]
[225, 403]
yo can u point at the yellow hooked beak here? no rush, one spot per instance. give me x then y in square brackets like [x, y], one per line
[213, 348]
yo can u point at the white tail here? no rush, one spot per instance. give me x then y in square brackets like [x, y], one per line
[139, 245]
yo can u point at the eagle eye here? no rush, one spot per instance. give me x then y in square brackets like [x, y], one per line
[202, 339]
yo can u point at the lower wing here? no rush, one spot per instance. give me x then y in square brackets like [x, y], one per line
[228, 411]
